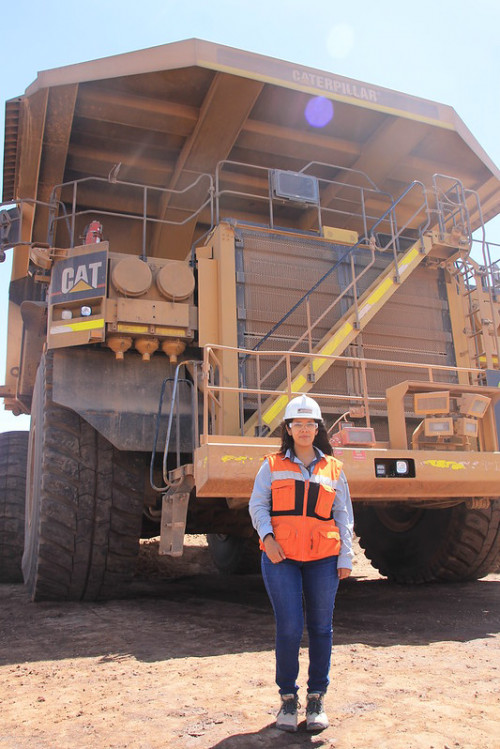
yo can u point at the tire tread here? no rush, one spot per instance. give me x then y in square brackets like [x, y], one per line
[13, 456]
[82, 497]
[468, 550]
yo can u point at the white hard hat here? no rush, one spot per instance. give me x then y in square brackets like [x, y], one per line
[303, 407]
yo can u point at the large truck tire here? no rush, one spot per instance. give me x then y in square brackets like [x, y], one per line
[410, 545]
[234, 555]
[13, 456]
[84, 504]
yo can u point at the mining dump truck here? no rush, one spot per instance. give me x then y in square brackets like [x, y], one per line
[198, 234]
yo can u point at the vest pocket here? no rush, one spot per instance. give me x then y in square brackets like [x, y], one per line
[325, 543]
[287, 537]
[283, 495]
[324, 504]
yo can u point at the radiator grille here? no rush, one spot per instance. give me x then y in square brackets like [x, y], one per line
[276, 271]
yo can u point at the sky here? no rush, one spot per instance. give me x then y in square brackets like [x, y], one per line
[444, 50]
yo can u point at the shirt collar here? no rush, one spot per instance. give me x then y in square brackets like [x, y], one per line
[291, 455]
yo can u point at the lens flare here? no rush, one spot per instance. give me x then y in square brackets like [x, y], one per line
[319, 111]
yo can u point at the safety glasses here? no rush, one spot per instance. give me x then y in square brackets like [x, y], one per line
[309, 425]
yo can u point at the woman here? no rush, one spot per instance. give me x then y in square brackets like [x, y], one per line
[301, 509]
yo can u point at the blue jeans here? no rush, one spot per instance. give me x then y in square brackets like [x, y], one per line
[288, 583]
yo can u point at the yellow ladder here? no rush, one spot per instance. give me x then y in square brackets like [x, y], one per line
[480, 315]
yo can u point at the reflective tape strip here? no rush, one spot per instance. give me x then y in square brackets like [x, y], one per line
[123, 328]
[333, 344]
[408, 258]
[297, 476]
[323, 480]
[162, 330]
[60, 329]
[376, 296]
[76, 326]
[283, 475]
[298, 384]
[278, 406]
[386, 285]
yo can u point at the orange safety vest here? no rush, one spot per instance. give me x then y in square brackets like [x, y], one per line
[301, 509]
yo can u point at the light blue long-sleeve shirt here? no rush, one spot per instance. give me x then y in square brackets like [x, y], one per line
[260, 505]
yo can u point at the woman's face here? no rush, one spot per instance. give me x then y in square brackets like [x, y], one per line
[303, 431]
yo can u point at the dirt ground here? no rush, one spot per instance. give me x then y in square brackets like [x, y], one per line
[187, 662]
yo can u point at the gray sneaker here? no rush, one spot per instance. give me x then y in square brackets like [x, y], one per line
[286, 719]
[316, 718]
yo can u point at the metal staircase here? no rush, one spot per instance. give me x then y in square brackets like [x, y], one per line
[358, 315]
[479, 285]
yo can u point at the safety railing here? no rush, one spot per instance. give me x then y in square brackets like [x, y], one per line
[149, 194]
[451, 205]
[215, 384]
[66, 203]
[235, 180]
[392, 244]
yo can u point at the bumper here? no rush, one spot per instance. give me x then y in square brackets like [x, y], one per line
[227, 468]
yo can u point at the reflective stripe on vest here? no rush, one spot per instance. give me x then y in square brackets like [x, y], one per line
[301, 508]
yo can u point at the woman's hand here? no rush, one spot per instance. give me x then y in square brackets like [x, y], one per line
[343, 572]
[273, 549]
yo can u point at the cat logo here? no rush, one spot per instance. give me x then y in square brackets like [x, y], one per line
[79, 277]
[73, 281]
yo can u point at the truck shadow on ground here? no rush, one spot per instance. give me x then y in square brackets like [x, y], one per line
[204, 615]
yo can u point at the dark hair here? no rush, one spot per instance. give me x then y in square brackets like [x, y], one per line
[321, 440]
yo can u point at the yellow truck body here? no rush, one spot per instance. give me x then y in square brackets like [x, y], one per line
[200, 233]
